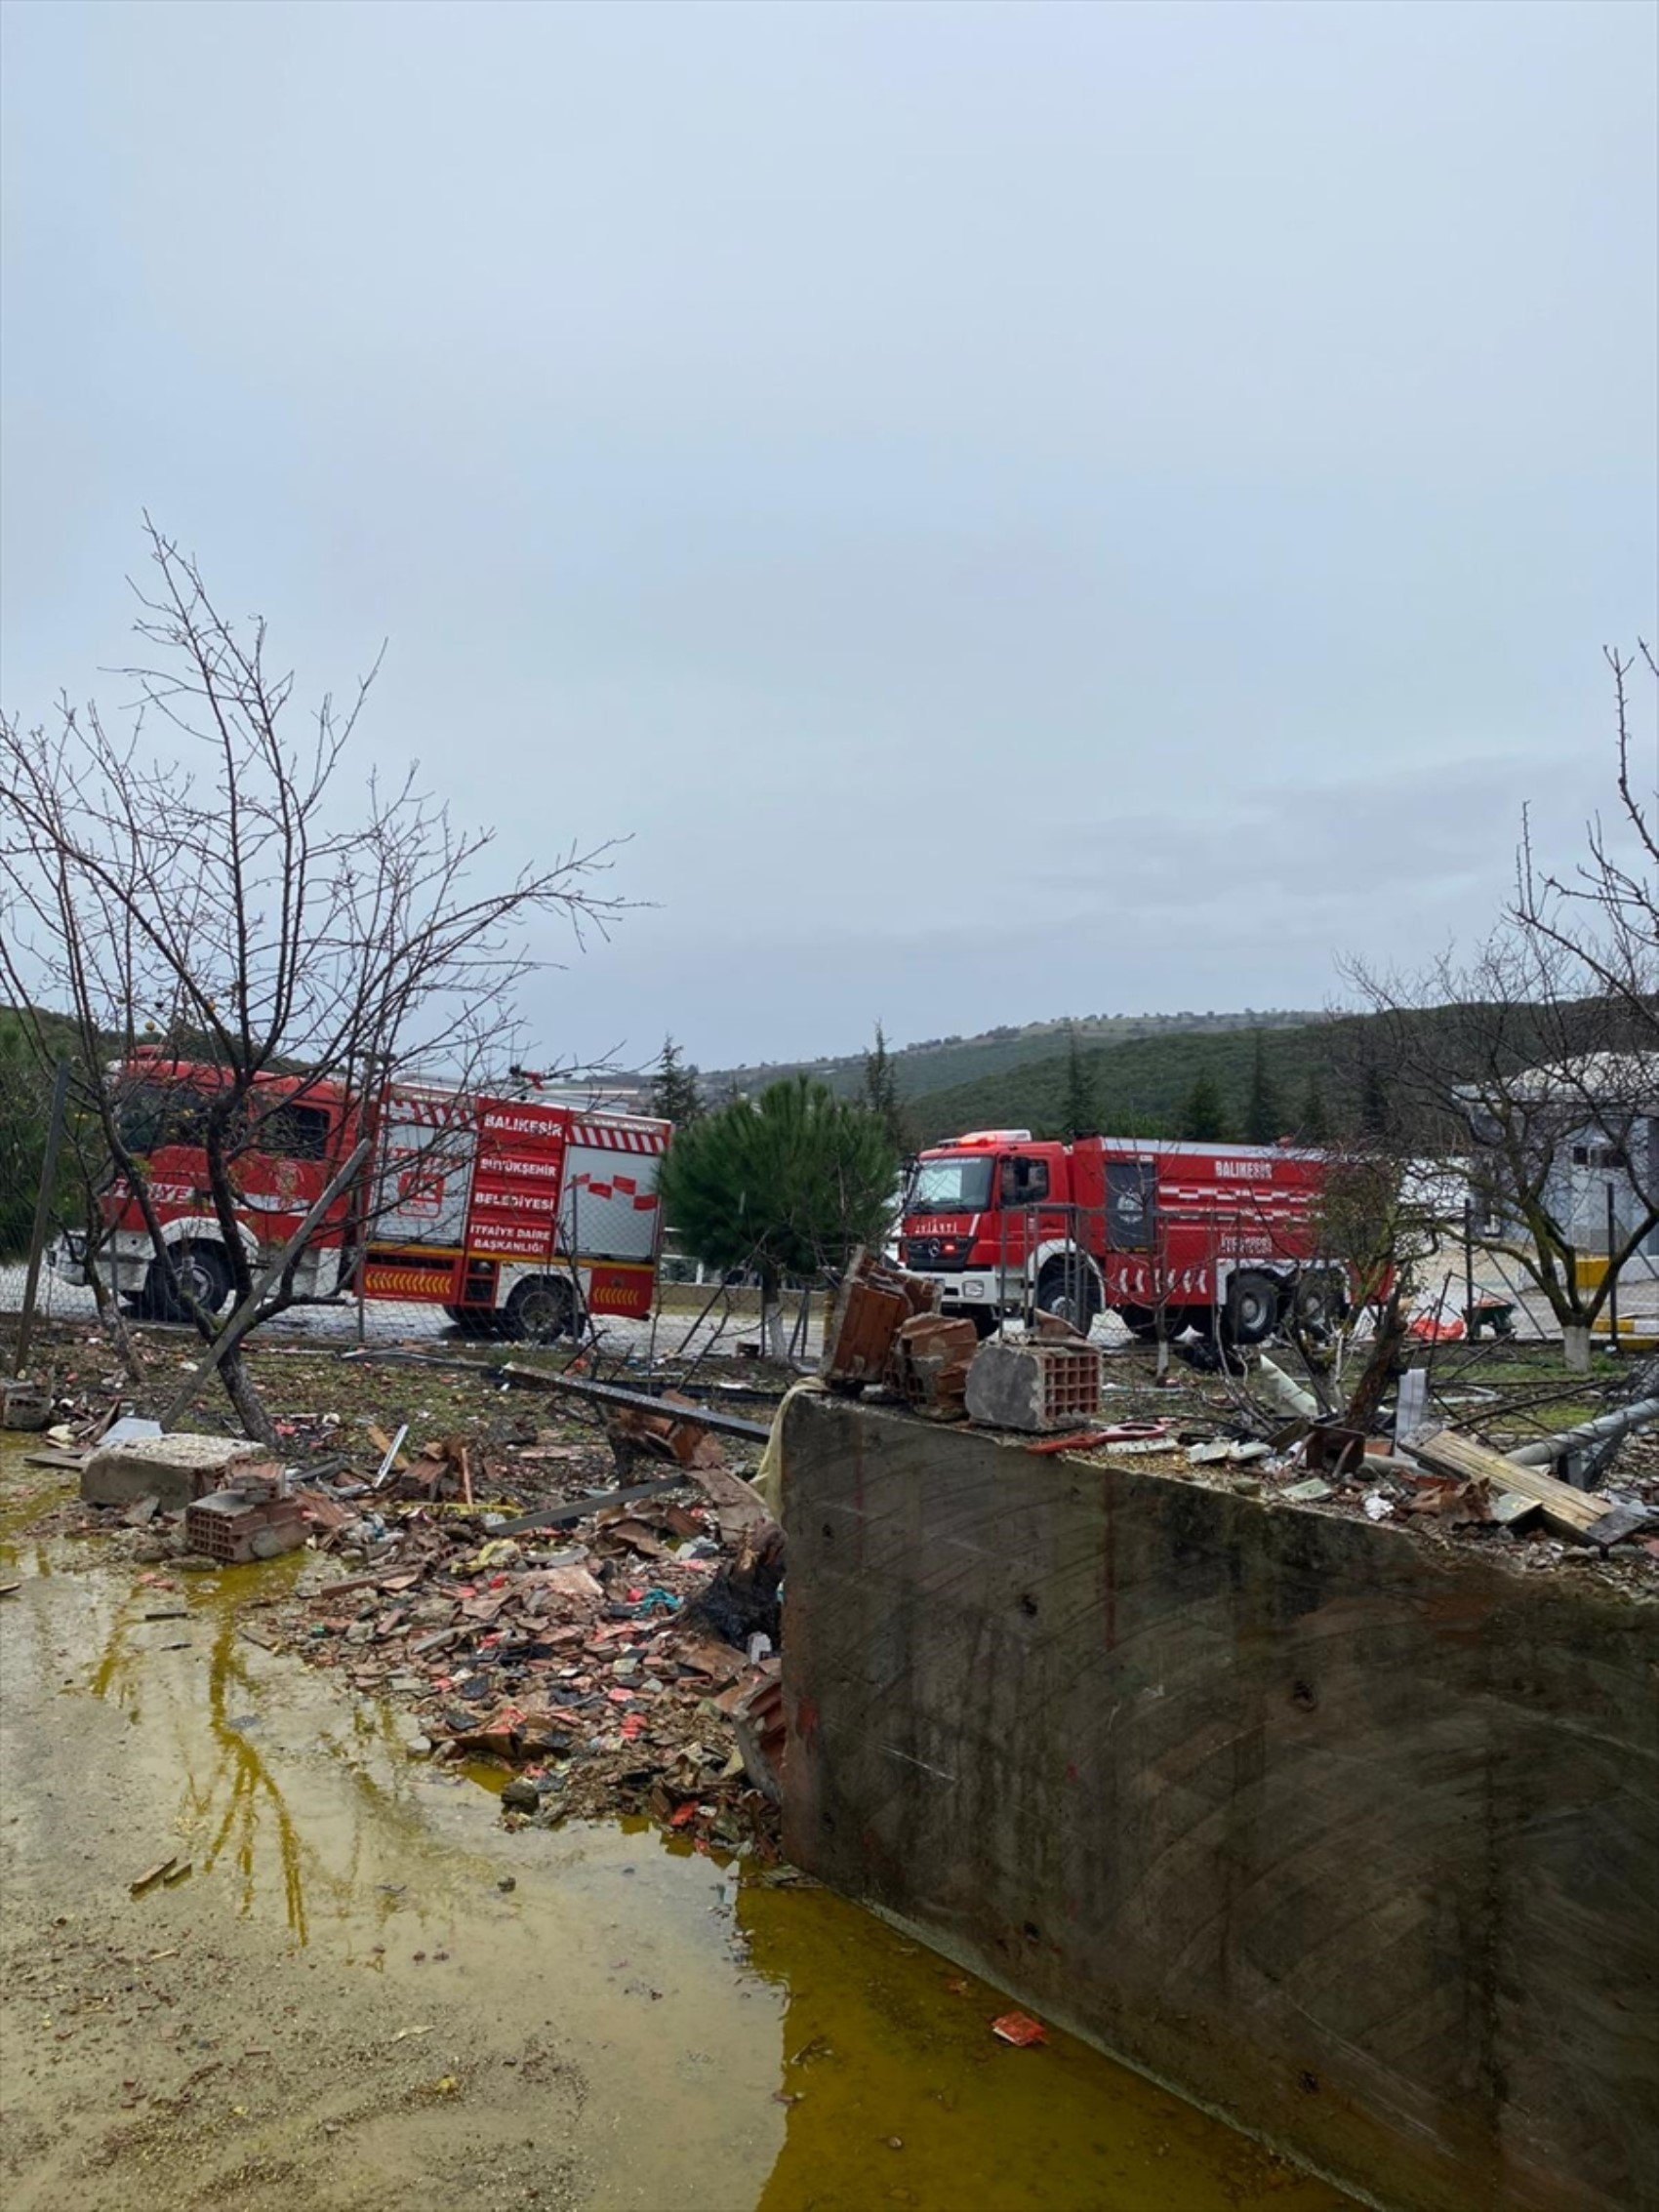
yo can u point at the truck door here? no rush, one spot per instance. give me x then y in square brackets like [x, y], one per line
[1131, 1205]
[425, 1166]
[1022, 1183]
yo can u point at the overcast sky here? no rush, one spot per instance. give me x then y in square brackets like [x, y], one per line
[1012, 509]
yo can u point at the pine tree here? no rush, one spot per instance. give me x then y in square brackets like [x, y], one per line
[1376, 1112]
[675, 1092]
[1202, 1117]
[881, 1095]
[1263, 1119]
[1080, 1112]
[1313, 1122]
[785, 1186]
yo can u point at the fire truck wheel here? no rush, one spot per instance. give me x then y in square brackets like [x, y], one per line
[1071, 1291]
[202, 1271]
[1141, 1321]
[540, 1310]
[1252, 1309]
[473, 1321]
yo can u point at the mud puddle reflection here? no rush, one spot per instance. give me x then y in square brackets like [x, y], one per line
[740, 2046]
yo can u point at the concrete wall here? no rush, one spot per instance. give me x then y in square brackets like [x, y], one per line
[1347, 1836]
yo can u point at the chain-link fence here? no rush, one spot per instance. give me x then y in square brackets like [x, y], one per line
[688, 1316]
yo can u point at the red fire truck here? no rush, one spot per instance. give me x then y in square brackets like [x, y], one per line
[1199, 1235]
[517, 1216]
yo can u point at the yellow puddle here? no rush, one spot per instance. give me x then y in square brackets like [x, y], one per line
[762, 2048]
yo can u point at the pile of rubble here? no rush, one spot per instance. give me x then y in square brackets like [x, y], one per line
[588, 1655]
[1048, 1385]
[614, 1651]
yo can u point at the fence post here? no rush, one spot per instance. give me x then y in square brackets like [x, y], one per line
[43, 1208]
[1613, 1283]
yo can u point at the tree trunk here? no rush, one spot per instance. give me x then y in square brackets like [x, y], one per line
[239, 1389]
[772, 1344]
[1380, 1367]
[1575, 1347]
[113, 1323]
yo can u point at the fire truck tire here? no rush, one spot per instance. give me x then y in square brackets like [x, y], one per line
[202, 1270]
[540, 1310]
[1071, 1291]
[1141, 1321]
[1251, 1312]
[474, 1320]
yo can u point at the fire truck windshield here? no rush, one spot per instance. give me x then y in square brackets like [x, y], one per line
[153, 1115]
[960, 1185]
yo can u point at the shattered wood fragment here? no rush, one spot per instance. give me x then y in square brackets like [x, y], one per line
[1568, 1512]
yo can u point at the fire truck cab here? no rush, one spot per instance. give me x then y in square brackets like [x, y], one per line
[1163, 1233]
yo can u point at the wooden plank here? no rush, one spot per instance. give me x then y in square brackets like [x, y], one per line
[1568, 1512]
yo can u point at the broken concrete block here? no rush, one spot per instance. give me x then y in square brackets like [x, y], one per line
[23, 1404]
[234, 1528]
[171, 1469]
[1032, 1385]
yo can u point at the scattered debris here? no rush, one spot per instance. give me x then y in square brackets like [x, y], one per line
[1033, 1386]
[252, 1518]
[1568, 1512]
[757, 1722]
[24, 1405]
[1310, 1493]
[1019, 2030]
[874, 1303]
[173, 1470]
[929, 1365]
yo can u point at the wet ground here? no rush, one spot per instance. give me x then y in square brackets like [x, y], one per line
[364, 1994]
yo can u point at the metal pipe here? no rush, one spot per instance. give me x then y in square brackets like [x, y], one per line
[1613, 1284]
[1608, 1430]
[640, 1401]
[577, 1386]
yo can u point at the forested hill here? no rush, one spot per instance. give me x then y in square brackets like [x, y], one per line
[952, 1063]
[1144, 1086]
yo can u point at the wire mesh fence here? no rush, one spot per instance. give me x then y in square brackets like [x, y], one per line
[688, 1317]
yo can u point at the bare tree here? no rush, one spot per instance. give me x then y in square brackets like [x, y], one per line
[1603, 916]
[1504, 1076]
[1535, 1066]
[223, 901]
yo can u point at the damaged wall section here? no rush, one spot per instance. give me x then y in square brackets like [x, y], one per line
[1351, 1837]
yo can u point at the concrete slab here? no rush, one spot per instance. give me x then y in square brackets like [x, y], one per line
[171, 1469]
[1351, 1837]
